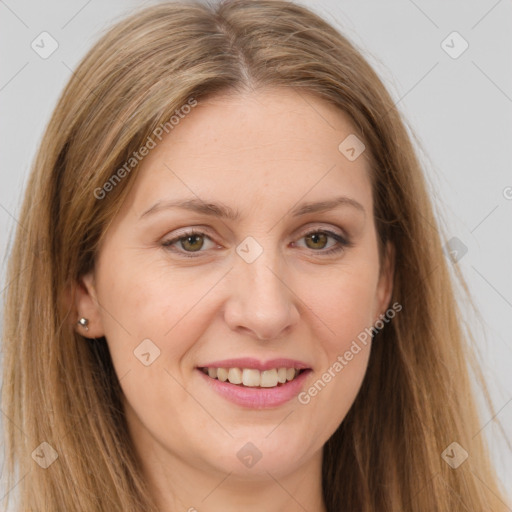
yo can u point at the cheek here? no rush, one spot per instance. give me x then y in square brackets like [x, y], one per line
[150, 301]
[152, 317]
[345, 303]
[346, 308]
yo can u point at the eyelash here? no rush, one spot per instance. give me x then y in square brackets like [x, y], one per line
[342, 242]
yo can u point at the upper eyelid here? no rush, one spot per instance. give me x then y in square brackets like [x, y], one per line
[203, 230]
[195, 230]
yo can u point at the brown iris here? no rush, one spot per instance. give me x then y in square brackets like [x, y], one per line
[189, 242]
[317, 238]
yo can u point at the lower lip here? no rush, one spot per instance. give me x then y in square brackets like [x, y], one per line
[257, 398]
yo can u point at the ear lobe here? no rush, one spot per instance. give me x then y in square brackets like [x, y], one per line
[386, 278]
[87, 306]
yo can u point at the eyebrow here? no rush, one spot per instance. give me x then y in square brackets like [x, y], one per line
[223, 211]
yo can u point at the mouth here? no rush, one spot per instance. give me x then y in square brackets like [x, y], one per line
[252, 377]
[255, 384]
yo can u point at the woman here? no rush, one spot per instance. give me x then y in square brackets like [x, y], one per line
[230, 291]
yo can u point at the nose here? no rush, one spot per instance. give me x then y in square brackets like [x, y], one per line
[261, 300]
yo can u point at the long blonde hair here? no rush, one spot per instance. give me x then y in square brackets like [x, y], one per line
[59, 388]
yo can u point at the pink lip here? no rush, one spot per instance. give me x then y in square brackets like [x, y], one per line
[249, 362]
[256, 398]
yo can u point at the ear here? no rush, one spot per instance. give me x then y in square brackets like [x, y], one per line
[385, 284]
[87, 306]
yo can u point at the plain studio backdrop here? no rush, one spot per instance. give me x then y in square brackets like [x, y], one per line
[446, 64]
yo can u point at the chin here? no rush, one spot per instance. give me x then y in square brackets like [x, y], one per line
[255, 456]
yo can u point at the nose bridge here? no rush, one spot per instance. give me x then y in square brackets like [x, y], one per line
[261, 300]
[263, 279]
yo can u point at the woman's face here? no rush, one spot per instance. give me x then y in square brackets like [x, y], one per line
[282, 272]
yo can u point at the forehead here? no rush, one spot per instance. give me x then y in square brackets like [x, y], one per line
[278, 146]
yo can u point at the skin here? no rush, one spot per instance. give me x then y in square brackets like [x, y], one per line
[261, 153]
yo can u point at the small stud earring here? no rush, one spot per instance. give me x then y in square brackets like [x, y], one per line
[83, 322]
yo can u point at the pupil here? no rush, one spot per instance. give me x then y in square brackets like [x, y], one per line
[190, 239]
[314, 237]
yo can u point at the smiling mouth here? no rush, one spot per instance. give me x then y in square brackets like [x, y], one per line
[250, 377]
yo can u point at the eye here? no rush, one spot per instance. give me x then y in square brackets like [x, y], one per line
[193, 241]
[318, 239]
[190, 241]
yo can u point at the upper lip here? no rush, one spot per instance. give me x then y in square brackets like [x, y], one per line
[249, 362]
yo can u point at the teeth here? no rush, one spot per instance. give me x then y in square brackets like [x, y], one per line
[222, 374]
[235, 376]
[281, 375]
[251, 377]
[268, 378]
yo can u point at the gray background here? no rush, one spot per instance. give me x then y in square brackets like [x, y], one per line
[460, 109]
